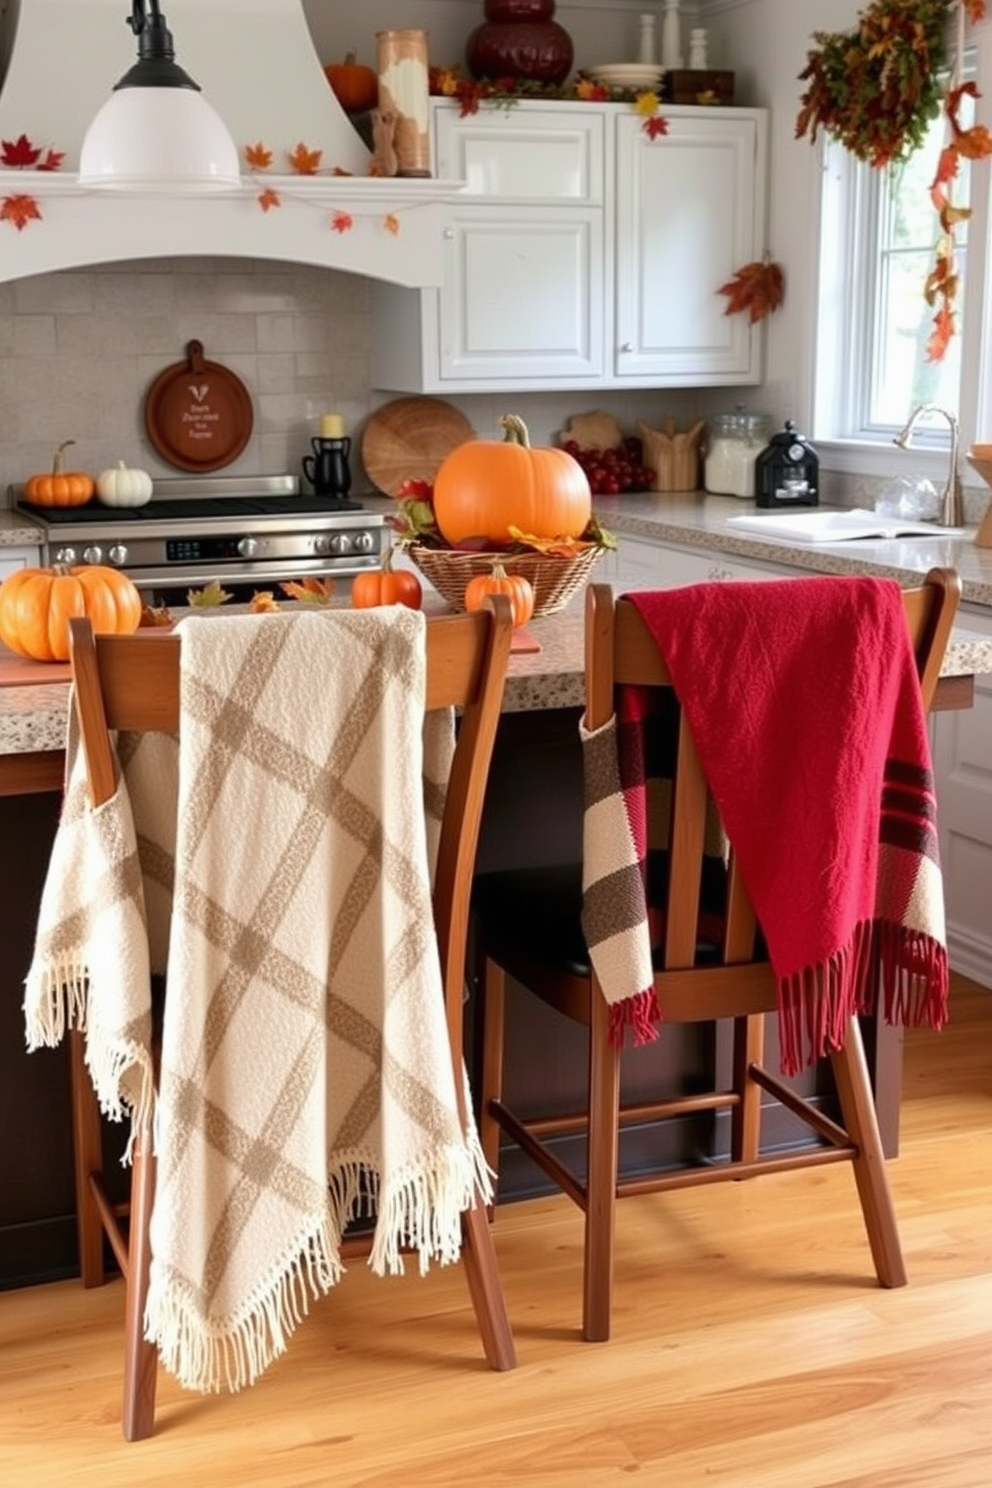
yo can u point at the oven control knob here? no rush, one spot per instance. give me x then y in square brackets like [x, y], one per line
[65, 555]
[340, 543]
[93, 553]
[117, 555]
[247, 547]
[364, 542]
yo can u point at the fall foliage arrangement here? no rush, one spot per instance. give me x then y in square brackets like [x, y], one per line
[877, 90]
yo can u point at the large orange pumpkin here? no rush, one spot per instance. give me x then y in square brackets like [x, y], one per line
[386, 586]
[355, 86]
[36, 605]
[486, 486]
[59, 487]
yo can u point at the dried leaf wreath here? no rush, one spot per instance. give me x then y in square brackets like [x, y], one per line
[877, 90]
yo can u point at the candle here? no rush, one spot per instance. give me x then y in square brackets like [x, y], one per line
[331, 426]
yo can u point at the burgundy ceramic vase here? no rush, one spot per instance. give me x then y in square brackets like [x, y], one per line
[520, 39]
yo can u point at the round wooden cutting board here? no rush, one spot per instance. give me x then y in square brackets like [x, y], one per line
[198, 414]
[409, 438]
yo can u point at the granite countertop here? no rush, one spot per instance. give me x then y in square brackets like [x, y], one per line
[32, 718]
[699, 521]
[16, 531]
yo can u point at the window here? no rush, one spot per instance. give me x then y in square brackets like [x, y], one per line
[879, 233]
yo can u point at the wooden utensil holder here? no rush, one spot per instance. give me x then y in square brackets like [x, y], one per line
[672, 455]
[982, 462]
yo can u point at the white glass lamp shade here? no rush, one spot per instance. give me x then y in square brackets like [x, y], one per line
[158, 139]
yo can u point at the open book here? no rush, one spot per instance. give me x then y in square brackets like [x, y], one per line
[835, 526]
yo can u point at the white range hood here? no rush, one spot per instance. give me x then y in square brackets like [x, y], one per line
[256, 64]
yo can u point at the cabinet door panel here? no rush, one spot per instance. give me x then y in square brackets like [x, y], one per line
[688, 216]
[518, 156]
[519, 301]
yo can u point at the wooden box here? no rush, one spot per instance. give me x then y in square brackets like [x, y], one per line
[684, 86]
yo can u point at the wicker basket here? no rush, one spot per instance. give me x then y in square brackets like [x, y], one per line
[554, 580]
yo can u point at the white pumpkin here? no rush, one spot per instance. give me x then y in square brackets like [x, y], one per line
[124, 486]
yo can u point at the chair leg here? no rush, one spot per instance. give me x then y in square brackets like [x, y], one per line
[87, 1143]
[494, 1020]
[485, 1289]
[601, 1179]
[745, 1131]
[140, 1356]
[850, 1072]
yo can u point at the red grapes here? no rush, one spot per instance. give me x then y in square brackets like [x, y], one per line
[610, 471]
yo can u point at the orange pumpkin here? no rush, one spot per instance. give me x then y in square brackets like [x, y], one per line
[517, 589]
[386, 586]
[59, 487]
[36, 605]
[355, 86]
[486, 486]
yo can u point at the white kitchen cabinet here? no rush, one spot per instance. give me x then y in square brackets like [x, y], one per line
[582, 254]
[640, 563]
[522, 303]
[963, 766]
[689, 213]
[13, 558]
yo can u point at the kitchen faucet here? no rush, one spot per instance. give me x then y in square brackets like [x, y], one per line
[951, 499]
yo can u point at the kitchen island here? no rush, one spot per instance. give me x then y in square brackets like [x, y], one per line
[533, 806]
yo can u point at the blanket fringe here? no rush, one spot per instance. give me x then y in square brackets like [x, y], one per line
[641, 1014]
[233, 1352]
[57, 1000]
[815, 1005]
[422, 1210]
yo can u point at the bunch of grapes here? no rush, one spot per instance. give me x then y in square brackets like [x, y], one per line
[610, 471]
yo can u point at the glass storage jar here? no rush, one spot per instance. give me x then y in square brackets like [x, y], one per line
[733, 441]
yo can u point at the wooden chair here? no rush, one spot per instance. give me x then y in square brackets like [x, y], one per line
[527, 927]
[132, 683]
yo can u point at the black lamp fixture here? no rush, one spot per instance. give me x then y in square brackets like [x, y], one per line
[156, 131]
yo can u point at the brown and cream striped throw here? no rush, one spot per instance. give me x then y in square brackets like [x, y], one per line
[306, 1068]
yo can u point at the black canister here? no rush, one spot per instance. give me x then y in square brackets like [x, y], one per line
[787, 471]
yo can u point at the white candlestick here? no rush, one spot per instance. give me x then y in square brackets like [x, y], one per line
[331, 426]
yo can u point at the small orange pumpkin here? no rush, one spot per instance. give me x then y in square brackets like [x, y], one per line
[518, 590]
[36, 605]
[486, 486]
[355, 86]
[386, 586]
[59, 487]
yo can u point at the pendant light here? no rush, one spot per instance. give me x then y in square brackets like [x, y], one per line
[156, 131]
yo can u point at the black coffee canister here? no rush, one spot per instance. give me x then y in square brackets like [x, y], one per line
[787, 471]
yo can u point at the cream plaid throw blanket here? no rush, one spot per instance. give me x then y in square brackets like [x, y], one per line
[306, 1070]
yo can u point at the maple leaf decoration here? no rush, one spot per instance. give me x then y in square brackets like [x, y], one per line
[342, 222]
[258, 157]
[19, 211]
[942, 283]
[268, 199]
[305, 162]
[758, 287]
[392, 224]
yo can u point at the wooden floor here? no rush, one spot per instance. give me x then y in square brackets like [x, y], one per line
[752, 1348]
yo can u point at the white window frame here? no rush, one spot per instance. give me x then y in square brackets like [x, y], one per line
[849, 214]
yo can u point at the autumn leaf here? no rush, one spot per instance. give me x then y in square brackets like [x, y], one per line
[20, 154]
[258, 157]
[646, 104]
[592, 92]
[551, 547]
[305, 162]
[154, 617]
[52, 161]
[263, 602]
[655, 126]
[268, 199]
[339, 170]
[209, 597]
[444, 81]
[758, 287]
[941, 335]
[309, 591]
[392, 224]
[19, 211]
[342, 222]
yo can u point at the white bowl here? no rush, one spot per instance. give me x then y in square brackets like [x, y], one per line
[627, 74]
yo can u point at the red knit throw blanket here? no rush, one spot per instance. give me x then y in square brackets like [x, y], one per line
[805, 705]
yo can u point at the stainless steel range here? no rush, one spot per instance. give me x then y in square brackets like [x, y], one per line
[244, 531]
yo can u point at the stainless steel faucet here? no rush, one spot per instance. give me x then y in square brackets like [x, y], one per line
[951, 498]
